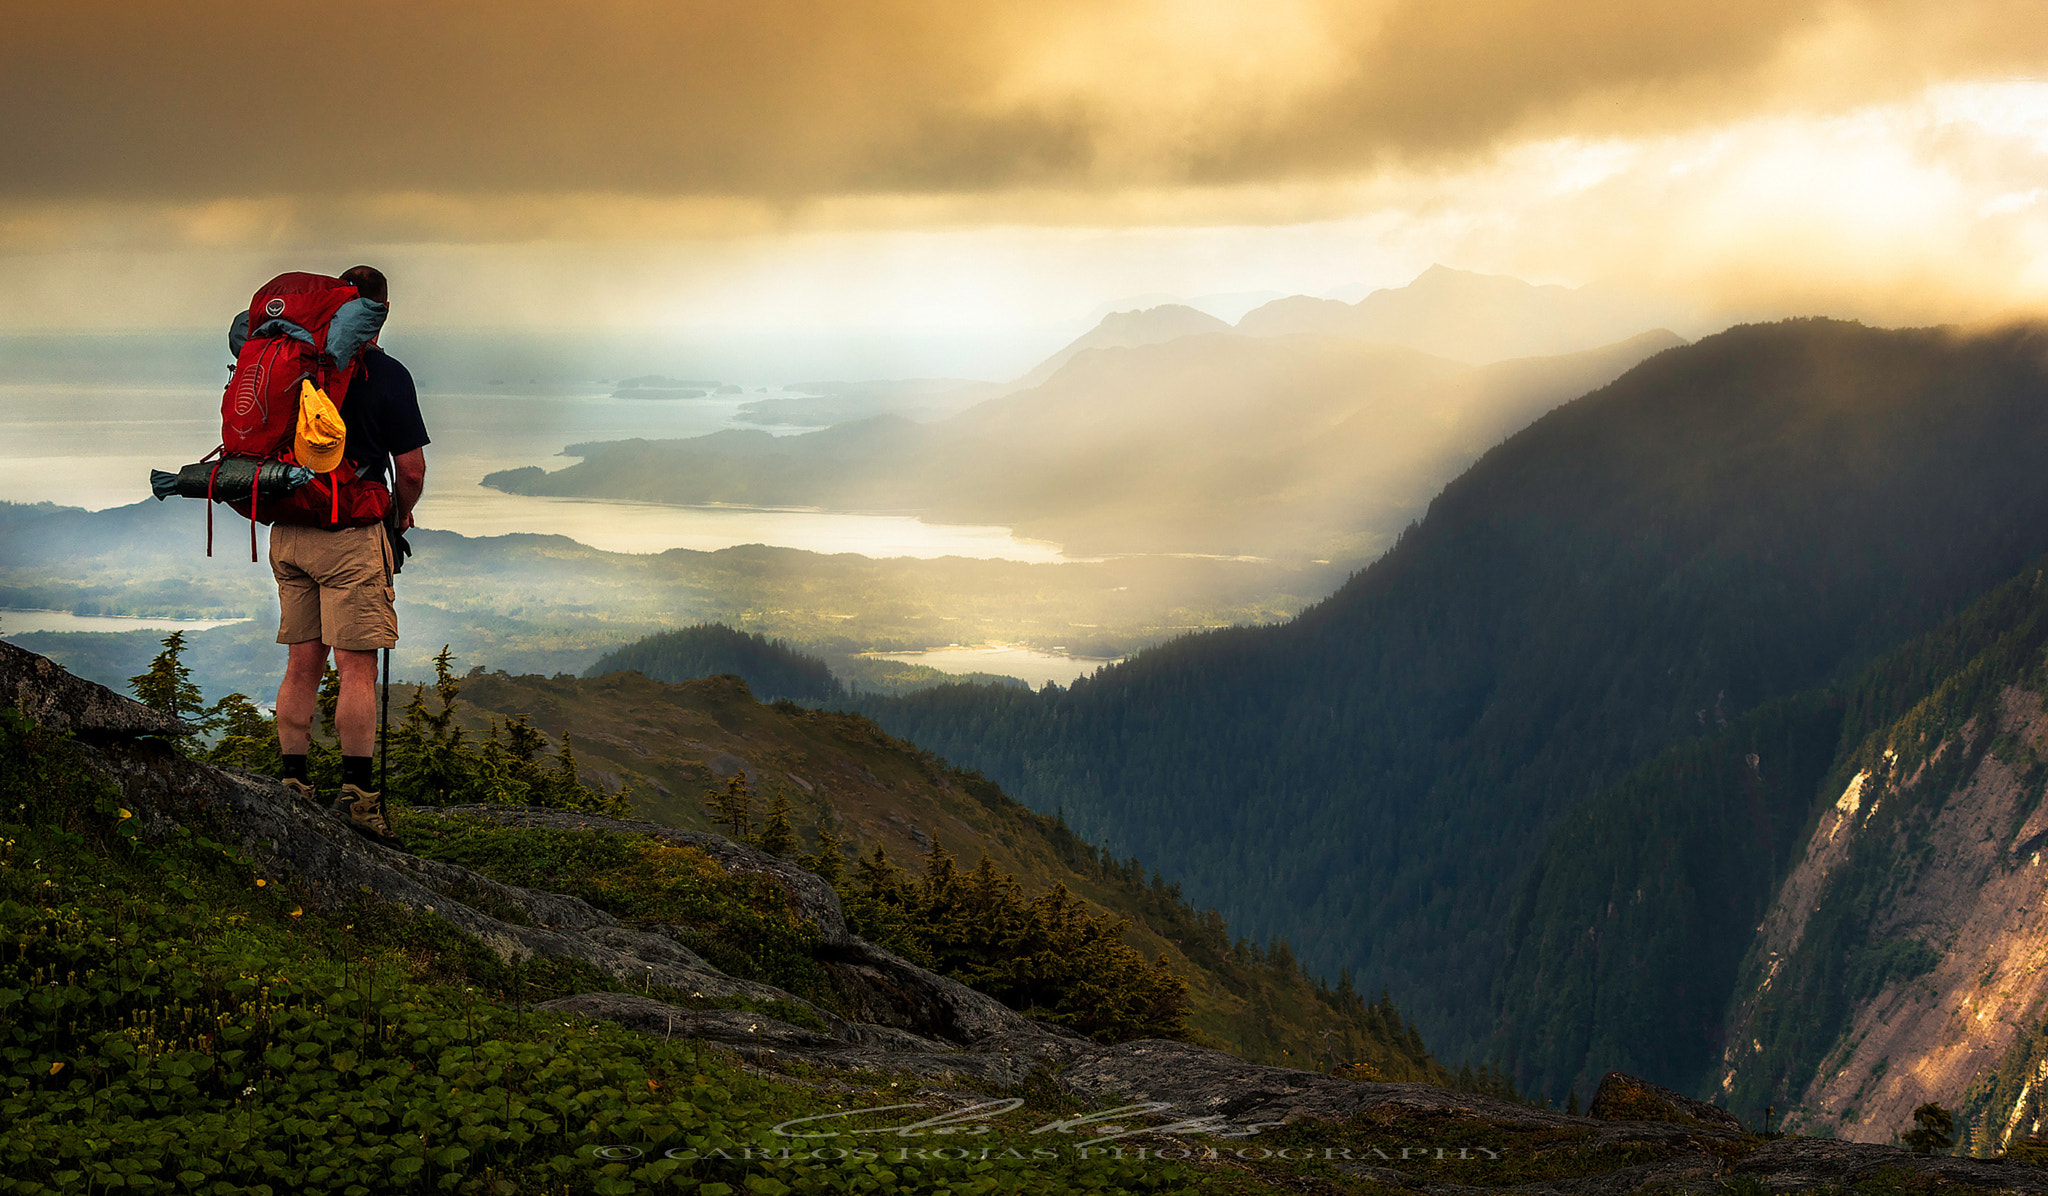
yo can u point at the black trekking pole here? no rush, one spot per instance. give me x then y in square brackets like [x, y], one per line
[384, 726]
[394, 552]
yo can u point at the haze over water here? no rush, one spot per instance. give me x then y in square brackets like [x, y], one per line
[93, 446]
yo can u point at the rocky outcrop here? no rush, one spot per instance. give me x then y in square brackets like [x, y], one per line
[41, 689]
[1805, 1164]
[1626, 1098]
[1205, 1082]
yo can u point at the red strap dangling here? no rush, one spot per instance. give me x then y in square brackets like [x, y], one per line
[252, 511]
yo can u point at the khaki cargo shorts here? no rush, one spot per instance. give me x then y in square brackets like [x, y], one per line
[334, 586]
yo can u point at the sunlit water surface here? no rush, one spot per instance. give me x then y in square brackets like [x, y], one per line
[93, 447]
[1027, 664]
[21, 622]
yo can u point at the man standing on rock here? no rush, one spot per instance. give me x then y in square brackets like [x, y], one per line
[334, 585]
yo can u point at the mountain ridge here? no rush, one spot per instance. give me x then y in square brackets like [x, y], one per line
[1464, 316]
[1126, 330]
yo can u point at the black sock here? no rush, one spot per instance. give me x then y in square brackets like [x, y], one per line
[355, 770]
[294, 768]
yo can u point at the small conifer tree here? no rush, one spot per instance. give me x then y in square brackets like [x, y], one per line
[565, 766]
[167, 686]
[826, 862]
[1933, 1131]
[878, 878]
[778, 837]
[496, 772]
[248, 737]
[524, 742]
[734, 808]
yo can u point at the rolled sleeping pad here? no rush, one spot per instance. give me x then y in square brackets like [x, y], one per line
[273, 479]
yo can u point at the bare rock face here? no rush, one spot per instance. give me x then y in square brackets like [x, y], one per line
[1203, 1081]
[1955, 820]
[51, 697]
[1801, 1164]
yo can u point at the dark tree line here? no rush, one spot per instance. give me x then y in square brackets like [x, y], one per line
[771, 668]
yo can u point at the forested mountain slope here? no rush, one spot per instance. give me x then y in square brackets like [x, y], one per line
[1730, 522]
[771, 668]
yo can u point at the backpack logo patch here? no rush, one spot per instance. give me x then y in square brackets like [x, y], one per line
[245, 399]
[274, 308]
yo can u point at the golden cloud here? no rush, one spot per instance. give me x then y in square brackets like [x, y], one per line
[748, 102]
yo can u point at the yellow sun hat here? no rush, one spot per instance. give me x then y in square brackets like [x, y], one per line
[322, 435]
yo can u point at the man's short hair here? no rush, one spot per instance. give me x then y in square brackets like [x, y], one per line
[368, 282]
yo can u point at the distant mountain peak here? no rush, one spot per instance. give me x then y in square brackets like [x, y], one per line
[1465, 316]
[1128, 330]
[1167, 317]
[1440, 275]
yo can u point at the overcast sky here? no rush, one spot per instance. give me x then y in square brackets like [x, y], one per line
[948, 164]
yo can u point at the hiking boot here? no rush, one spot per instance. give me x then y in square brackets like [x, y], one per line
[365, 814]
[302, 790]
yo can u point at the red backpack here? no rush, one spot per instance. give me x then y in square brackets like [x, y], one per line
[299, 327]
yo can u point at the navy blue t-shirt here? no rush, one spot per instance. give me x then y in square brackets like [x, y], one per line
[383, 416]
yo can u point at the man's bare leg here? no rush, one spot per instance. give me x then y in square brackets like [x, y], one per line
[355, 724]
[298, 697]
[355, 715]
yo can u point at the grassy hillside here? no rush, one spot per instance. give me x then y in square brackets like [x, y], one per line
[676, 745]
